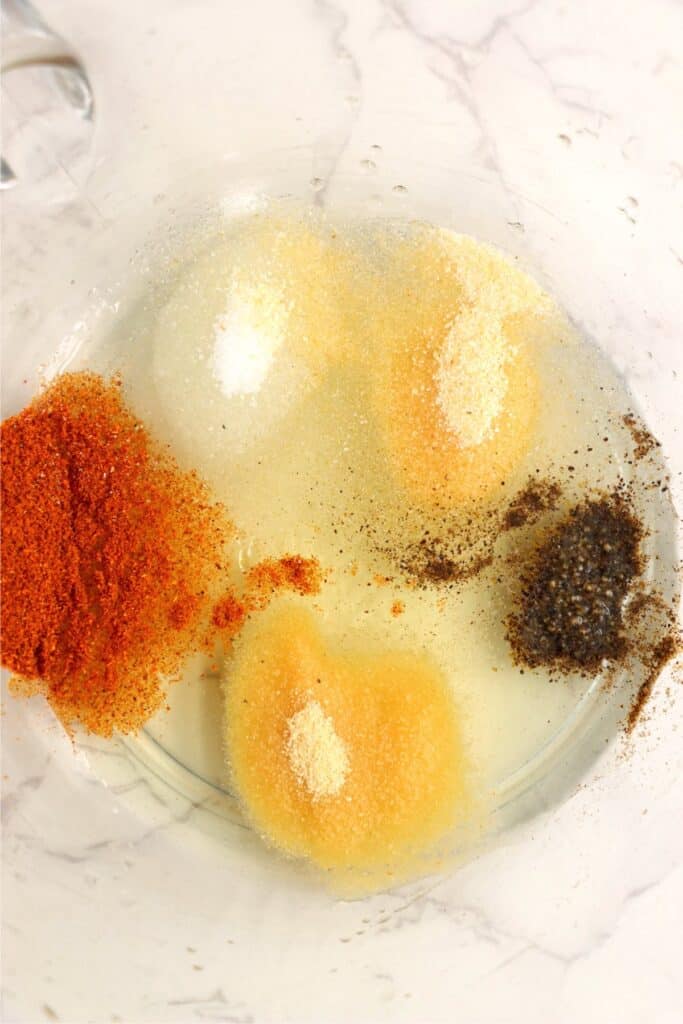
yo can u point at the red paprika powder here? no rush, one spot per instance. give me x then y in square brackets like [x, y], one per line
[110, 556]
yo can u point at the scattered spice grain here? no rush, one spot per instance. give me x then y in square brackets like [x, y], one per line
[183, 610]
[229, 613]
[527, 507]
[644, 441]
[291, 572]
[667, 647]
[262, 583]
[434, 561]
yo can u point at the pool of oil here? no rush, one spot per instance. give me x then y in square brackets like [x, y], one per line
[292, 446]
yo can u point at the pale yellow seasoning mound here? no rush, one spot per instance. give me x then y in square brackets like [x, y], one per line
[317, 756]
[352, 761]
[456, 389]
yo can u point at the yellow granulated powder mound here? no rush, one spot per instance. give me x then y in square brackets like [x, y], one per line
[471, 377]
[408, 779]
[455, 389]
[317, 756]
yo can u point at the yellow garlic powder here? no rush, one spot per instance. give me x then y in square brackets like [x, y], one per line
[317, 755]
[352, 760]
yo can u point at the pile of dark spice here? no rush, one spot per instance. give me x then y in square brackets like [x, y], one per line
[570, 607]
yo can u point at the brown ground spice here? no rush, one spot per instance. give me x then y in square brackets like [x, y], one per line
[434, 561]
[643, 440]
[537, 498]
[452, 551]
[662, 653]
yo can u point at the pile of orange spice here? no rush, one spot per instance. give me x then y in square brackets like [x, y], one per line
[110, 556]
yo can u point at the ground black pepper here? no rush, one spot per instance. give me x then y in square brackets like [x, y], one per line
[569, 612]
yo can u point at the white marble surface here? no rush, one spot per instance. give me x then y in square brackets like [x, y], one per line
[111, 910]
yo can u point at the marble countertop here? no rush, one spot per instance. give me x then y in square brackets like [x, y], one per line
[112, 914]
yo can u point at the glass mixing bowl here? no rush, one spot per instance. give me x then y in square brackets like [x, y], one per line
[130, 889]
[103, 263]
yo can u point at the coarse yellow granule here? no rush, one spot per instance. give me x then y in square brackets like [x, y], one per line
[408, 780]
[472, 382]
[472, 378]
[455, 386]
[317, 756]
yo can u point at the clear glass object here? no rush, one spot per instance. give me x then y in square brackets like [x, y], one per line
[106, 235]
[48, 103]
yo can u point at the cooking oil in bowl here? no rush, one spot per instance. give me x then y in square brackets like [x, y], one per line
[405, 410]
